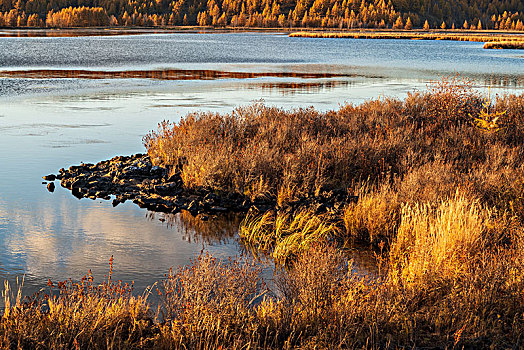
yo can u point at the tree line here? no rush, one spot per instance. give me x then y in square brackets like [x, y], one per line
[342, 14]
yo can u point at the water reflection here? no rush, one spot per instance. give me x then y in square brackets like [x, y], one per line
[165, 74]
[81, 32]
[292, 88]
[213, 229]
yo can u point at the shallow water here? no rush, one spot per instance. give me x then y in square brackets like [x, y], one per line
[50, 119]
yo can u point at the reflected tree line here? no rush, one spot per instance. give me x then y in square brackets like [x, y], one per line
[341, 14]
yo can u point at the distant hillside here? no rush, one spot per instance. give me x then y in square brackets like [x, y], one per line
[341, 14]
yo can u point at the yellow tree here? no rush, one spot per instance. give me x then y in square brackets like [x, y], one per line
[409, 24]
[398, 23]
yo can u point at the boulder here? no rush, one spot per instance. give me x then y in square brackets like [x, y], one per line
[50, 177]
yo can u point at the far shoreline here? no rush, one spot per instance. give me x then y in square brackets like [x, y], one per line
[111, 30]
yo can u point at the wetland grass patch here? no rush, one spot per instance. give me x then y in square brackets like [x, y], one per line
[441, 195]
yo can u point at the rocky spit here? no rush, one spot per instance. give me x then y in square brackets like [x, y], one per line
[153, 187]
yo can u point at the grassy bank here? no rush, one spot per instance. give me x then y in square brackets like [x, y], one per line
[512, 41]
[420, 149]
[439, 178]
[437, 291]
[505, 45]
[390, 154]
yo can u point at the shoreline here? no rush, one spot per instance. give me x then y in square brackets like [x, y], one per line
[282, 30]
[492, 39]
[156, 188]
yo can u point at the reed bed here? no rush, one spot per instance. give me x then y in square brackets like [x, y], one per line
[286, 236]
[514, 45]
[508, 39]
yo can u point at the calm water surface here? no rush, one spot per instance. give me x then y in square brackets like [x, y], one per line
[47, 123]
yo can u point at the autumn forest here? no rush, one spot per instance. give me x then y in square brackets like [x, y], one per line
[340, 14]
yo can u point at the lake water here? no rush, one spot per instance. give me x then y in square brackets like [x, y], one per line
[97, 109]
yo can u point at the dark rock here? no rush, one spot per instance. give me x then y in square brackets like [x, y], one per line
[79, 183]
[77, 193]
[51, 187]
[176, 178]
[135, 178]
[218, 209]
[157, 171]
[144, 202]
[101, 194]
[193, 207]
[50, 177]
[167, 189]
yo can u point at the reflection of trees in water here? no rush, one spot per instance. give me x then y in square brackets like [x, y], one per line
[163, 74]
[216, 229]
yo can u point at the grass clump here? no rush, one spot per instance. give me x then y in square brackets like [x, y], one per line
[374, 217]
[285, 236]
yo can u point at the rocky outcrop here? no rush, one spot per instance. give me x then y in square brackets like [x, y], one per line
[155, 188]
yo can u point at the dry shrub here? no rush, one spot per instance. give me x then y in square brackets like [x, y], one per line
[429, 182]
[269, 153]
[448, 102]
[499, 180]
[209, 303]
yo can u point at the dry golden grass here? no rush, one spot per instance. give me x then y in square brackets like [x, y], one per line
[286, 236]
[493, 41]
[76, 315]
[514, 45]
[375, 216]
[440, 238]
[319, 302]
[440, 189]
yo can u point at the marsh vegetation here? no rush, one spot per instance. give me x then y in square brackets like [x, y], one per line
[439, 180]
